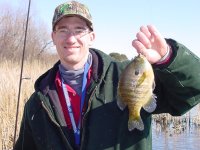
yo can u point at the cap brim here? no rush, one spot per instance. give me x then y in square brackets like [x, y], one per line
[89, 23]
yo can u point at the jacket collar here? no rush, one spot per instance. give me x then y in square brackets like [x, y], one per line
[100, 64]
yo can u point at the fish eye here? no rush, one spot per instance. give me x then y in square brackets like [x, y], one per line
[137, 72]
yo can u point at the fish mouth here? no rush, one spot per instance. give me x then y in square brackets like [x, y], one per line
[141, 55]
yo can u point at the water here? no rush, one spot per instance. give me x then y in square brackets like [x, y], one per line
[187, 138]
[184, 141]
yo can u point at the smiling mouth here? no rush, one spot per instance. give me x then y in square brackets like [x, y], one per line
[70, 47]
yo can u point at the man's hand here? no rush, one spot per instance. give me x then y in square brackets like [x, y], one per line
[150, 43]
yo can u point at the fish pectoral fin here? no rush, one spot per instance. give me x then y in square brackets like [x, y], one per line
[153, 85]
[136, 124]
[151, 105]
[141, 79]
[120, 104]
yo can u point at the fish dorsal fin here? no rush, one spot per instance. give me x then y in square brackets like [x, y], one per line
[151, 105]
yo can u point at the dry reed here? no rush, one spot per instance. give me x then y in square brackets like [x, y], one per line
[9, 85]
[177, 124]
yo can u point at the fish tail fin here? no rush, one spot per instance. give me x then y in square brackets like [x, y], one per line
[120, 104]
[135, 124]
[151, 105]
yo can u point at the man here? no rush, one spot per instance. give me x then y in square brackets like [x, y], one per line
[74, 104]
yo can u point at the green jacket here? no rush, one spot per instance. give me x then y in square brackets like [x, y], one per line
[104, 125]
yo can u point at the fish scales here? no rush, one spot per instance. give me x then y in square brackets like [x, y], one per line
[135, 90]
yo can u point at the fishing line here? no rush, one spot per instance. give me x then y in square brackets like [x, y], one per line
[20, 80]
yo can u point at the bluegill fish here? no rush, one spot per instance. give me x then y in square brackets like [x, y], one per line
[135, 90]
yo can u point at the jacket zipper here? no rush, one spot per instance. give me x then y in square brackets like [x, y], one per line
[58, 126]
[89, 105]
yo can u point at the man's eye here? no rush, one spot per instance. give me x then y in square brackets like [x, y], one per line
[63, 30]
[79, 31]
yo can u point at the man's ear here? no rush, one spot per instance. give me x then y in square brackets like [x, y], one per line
[53, 37]
[92, 38]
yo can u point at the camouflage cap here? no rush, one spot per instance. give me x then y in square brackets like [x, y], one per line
[72, 8]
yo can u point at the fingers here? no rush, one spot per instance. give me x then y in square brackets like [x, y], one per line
[140, 48]
[150, 37]
[150, 43]
[145, 30]
[143, 39]
[158, 39]
[155, 34]
[146, 35]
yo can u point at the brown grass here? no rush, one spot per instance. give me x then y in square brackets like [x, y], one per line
[9, 86]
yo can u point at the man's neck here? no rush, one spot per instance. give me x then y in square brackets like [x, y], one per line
[75, 66]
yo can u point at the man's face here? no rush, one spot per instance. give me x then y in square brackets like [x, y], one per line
[72, 39]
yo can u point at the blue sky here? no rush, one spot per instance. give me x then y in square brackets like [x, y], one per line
[117, 22]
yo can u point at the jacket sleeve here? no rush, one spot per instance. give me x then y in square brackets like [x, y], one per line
[25, 139]
[178, 82]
